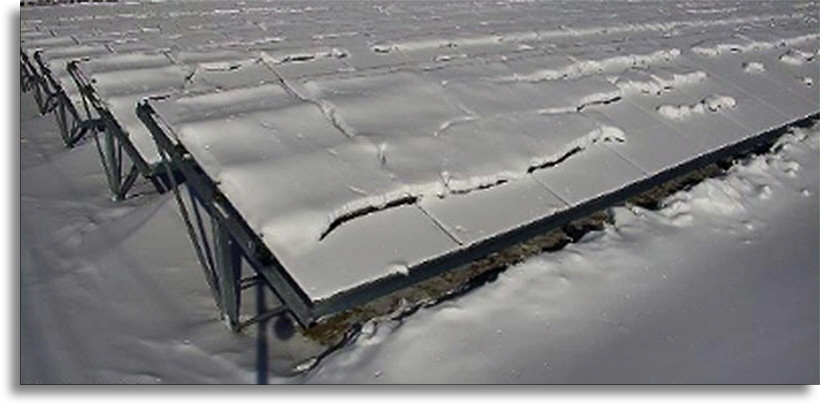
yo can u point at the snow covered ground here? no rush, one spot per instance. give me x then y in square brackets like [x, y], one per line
[720, 286]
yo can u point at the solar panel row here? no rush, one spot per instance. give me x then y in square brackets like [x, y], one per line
[360, 142]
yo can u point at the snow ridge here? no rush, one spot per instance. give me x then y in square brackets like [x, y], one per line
[589, 67]
[448, 185]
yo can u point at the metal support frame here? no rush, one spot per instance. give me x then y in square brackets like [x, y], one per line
[228, 263]
[218, 249]
[71, 124]
[33, 80]
[120, 159]
[28, 77]
[307, 311]
[220, 258]
[36, 77]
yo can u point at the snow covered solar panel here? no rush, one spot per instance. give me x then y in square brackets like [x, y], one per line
[367, 145]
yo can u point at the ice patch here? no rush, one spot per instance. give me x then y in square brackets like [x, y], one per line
[583, 68]
[741, 44]
[450, 123]
[398, 268]
[280, 58]
[713, 48]
[796, 57]
[601, 134]
[638, 81]
[712, 103]
[382, 48]
[753, 67]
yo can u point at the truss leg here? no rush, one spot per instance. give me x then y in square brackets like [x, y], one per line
[261, 336]
[47, 98]
[160, 183]
[130, 178]
[51, 102]
[25, 78]
[62, 123]
[228, 269]
[72, 127]
[111, 157]
[38, 94]
[111, 163]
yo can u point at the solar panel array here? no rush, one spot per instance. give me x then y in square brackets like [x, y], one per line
[362, 139]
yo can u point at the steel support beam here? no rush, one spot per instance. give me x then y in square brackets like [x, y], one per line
[120, 160]
[269, 272]
[51, 97]
[49, 90]
[72, 127]
[261, 337]
[34, 82]
[228, 262]
[28, 77]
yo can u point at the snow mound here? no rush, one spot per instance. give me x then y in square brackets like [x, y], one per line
[713, 104]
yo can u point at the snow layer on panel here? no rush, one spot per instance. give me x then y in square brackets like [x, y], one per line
[597, 171]
[303, 168]
[795, 68]
[301, 198]
[161, 80]
[58, 58]
[121, 90]
[752, 113]
[430, 51]
[368, 249]
[131, 45]
[405, 103]
[123, 108]
[367, 55]
[227, 75]
[742, 63]
[209, 106]
[465, 216]
[307, 65]
[103, 62]
[49, 42]
[122, 95]
[708, 112]
[778, 93]
[194, 56]
[680, 93]
[651, 145]
[540, 67]
[482, 152]
[125, 61]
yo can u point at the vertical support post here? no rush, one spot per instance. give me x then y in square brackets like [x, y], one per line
[261, 335]
[71, 125]
[38, 94]
[111, 163]
[62, 122]
[24, 77]
[228, 269]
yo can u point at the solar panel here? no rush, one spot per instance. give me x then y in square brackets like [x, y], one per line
[365, 146]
